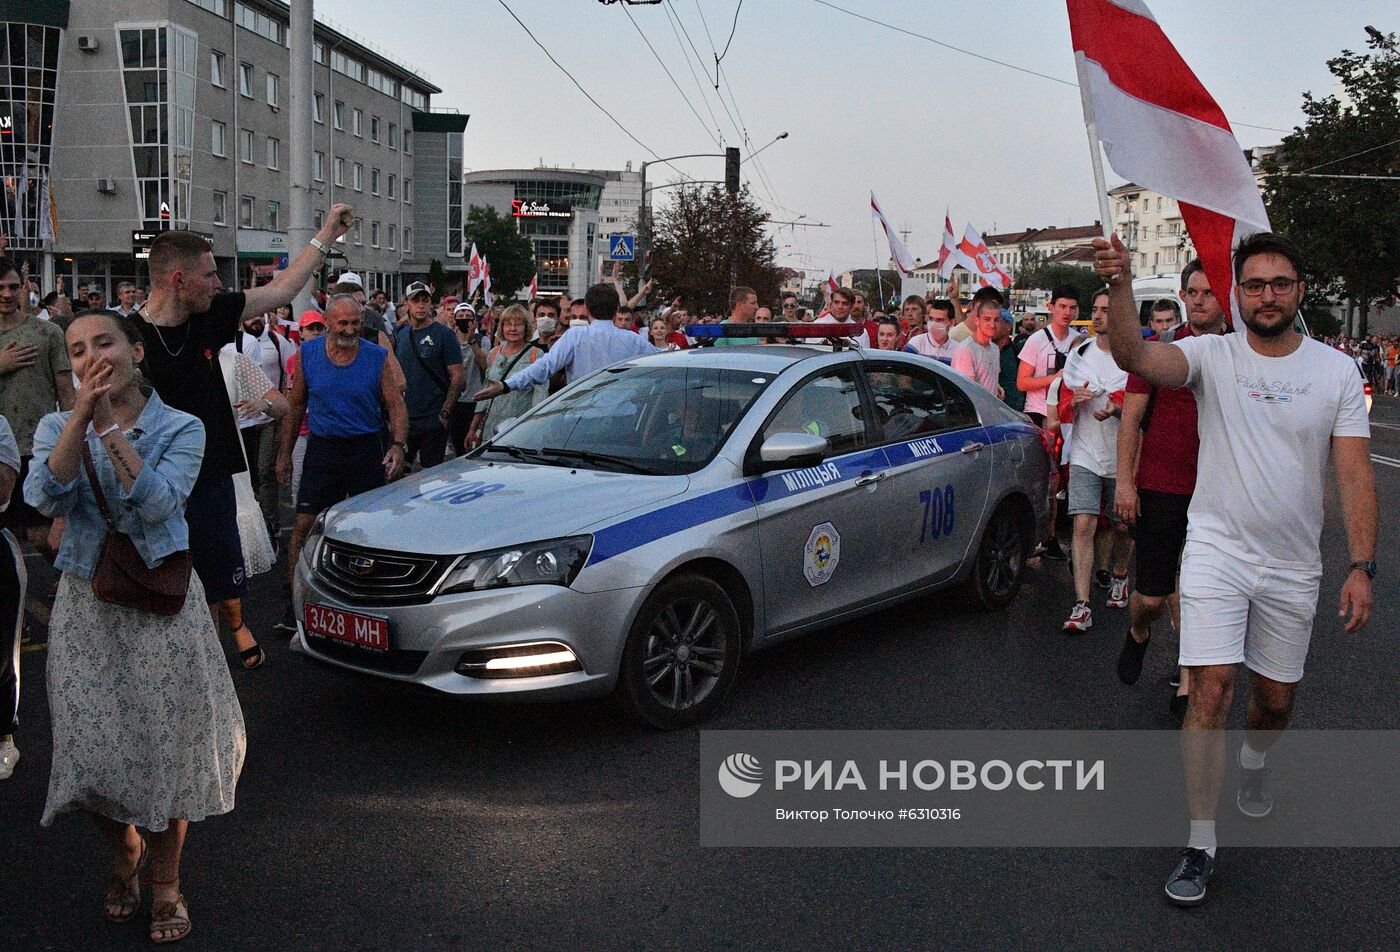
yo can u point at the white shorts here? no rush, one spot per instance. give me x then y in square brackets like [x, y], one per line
[1233, 611]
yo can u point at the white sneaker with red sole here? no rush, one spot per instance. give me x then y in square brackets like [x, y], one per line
[1080, 619]
[1118, 592]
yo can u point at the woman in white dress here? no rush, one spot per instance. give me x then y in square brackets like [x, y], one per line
[147, 731]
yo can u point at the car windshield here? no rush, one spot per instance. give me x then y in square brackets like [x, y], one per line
[639, 418]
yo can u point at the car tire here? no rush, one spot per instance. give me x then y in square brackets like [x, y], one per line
[1000, 563]
[682, 653]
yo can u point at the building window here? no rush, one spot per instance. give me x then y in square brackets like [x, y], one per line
[245, 145]
[338, 114]
[391, 237]
[318, 166]
[274, 216]
[245, 211]
[408, 239]
[320, 219]
[338, 170]
[374, 234]
[357, 177]
[245, 80]
[216, 68]
[217, 7]
[271, 89]
[407, 142]
[374, 181]
[407, 188]
[318, 107]
[357, 121]
[274, 153]
[219, 215]
[392, 180]
[259, 23]
[217, 134]
[374, 129]
[393, 136]
[159, 74]
[320, 53]
[355, 232]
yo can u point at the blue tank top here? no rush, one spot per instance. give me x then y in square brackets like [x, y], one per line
[343, 401]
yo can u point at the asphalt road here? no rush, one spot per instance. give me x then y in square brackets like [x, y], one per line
[376, 817]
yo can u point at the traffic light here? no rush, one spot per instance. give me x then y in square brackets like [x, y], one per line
[731, 170]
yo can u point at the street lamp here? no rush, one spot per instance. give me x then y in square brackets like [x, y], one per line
[781, 135]
[644, 215]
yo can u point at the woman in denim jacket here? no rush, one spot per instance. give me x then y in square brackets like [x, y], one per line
[147, 731]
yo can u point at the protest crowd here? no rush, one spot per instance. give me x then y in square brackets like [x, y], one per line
[177, 424]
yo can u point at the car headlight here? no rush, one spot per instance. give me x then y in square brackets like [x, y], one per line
[555, 562]
[313, 540]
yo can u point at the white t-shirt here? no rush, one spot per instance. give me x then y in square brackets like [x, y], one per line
[248, 346]
[1039, 352]
[928, 347]
[1266, 425]
[1095, 441]
[1052, 409]
[274, 353]
[979, 363]
[861, 340]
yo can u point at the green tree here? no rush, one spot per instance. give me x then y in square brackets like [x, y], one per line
[1345, 228]
[511, 254]
[876, 281]
[1047, 277]
[1030, 261]
[437, 278]
[699, 236]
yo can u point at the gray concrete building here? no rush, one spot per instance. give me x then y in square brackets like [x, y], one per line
[140, 115]
[569, 214]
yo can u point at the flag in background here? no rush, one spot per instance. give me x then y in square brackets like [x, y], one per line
[984, 264]
[949, 245]
[486, 281]
[831, 284]
[1162, 130]
[534, 285]
[473, 271]
[903, 260]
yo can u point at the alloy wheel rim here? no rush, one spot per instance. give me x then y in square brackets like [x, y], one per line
[1002, 555]
[684, 654]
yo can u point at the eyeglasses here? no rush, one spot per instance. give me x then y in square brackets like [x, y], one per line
[789, 307]
[1255, 286]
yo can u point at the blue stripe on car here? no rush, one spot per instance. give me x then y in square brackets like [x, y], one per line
[622, 537]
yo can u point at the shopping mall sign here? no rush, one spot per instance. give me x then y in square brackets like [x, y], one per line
[523, 208]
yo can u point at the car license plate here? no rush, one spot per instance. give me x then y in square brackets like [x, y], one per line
[364, 631]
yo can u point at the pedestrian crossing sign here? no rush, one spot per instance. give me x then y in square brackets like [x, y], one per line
[622, 248]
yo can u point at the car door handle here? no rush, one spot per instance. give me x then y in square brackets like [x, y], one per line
[869, 478]
[973, 447]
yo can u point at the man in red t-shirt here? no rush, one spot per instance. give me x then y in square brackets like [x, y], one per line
[1157, 447]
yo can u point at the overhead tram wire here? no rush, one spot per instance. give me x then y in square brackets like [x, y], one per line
[601, 108]
[671, 18]
[984, 58]
[660, 62]
[1373, 148]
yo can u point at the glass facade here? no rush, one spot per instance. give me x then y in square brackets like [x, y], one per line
[557, 192]
[28, 90]
[158, 79]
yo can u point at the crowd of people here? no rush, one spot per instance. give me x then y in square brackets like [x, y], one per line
[147, 444]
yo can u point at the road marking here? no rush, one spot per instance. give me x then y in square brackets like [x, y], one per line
[1385, 461]
[34, 646]
[39, 610]
[1386, 426]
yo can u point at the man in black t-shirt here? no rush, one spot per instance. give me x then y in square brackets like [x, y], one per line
[187, 319]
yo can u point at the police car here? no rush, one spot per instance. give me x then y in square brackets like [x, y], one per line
[644, 528]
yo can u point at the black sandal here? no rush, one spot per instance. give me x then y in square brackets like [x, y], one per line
[254, 654]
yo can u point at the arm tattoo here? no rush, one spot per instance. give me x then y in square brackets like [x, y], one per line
[114, 449]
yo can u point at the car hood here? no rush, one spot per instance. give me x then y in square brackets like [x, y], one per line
[474, 505]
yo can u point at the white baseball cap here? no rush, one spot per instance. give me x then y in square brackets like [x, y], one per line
[350, 277]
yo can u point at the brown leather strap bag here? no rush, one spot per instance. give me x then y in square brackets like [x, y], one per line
[122, 576]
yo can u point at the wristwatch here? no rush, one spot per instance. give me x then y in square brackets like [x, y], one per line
[1366, 565]
[320, 246]
[400, 444]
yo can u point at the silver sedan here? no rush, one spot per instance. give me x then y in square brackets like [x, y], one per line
[642, 530]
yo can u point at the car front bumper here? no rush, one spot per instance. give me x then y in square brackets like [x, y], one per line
[427, 641]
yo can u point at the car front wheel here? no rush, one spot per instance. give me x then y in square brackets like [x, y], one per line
[682, 654]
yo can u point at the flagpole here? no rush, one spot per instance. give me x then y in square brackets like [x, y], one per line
[879, 278]
[1095, 153]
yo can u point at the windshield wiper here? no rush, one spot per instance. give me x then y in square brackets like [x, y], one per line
[518, 452]
[588, 456]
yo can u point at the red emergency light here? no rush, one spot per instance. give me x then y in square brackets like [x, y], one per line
[776, 330]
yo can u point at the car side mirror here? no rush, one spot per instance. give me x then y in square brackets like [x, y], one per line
[791, 451]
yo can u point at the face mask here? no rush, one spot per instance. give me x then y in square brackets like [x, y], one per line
[547, 325]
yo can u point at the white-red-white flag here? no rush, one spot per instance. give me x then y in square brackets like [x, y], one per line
[972, 253]
[946, 249]
[473, 271]
[903, 260]
[1162, 130]
[831, 284]
[486, 281]
[534, 286]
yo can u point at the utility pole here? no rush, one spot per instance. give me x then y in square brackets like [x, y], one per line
[301, 228]
[731, 185]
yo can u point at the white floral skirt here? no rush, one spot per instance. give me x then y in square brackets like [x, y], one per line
[146, 724]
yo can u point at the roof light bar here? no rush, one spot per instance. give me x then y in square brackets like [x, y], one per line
[775, 329]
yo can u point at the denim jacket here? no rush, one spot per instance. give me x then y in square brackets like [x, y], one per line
[171, 446]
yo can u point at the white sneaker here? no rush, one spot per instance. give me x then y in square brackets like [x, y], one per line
[9, 756]
[1118, 593]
